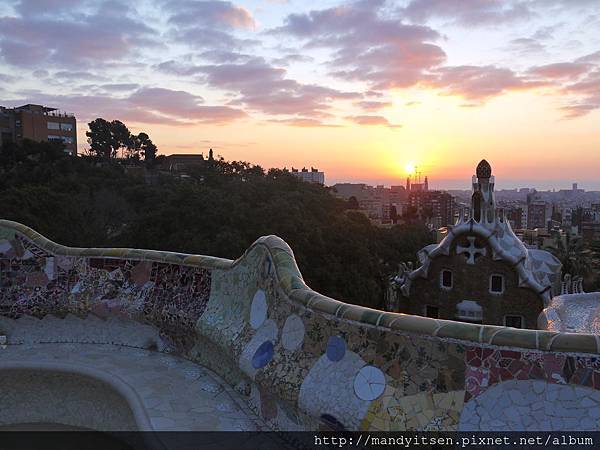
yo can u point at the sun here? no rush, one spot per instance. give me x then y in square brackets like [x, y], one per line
[410, 168]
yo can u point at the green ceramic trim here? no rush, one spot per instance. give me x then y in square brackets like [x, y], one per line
[292, 283]
[208, 262]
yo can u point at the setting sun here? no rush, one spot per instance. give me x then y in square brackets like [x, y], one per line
[409, 168]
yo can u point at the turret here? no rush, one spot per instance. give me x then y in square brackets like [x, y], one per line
[483, 208]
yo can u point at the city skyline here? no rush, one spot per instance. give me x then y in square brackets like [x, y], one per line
[358, 89]
[462, 185]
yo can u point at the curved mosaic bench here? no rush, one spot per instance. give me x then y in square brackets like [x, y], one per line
[300, 359]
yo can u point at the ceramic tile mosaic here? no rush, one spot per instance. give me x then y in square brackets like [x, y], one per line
[298, 360]
[168, 296]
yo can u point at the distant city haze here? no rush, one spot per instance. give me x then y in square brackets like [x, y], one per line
[360, 90]
[540, 185]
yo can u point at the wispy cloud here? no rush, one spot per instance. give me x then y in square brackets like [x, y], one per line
[372, 121]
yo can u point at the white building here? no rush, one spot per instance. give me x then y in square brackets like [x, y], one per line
[312, 176]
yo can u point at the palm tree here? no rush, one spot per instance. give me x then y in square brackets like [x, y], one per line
[573, 254]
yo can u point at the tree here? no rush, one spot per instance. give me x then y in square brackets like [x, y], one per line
[100, 138]
[107, 138]
[122, 138]
[146, 148]
[572, 254]
[221, 212]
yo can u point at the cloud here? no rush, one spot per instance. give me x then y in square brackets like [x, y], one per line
[578, 110]
[560, 70]
[209, 38]
[547, 32]
[524, 46]
[292, 58]
[367, 43]
[262, 87]
[40, 73]
[209, 14]
[372, 121]
[591, 58]
[45, 7]
[224, 56]
[118, 87]
[146, 105]
[586, 94]
[372, 105]
[7, 78]
[78, 75]
[304, 122]
[209, 24]
[480, 82]
[471, 13]
[75, 40]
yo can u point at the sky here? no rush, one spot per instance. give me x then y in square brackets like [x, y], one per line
[362, 90]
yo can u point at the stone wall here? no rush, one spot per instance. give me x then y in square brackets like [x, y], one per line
[300, 359]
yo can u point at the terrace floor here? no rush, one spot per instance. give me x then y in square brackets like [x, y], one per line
[165, 392]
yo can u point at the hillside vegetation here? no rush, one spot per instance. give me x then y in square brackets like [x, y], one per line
[220, 209]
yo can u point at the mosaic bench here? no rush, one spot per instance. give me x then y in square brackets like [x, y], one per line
[298, 359]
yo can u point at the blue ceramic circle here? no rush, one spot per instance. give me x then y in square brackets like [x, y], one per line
[263, 355]
[336, 348]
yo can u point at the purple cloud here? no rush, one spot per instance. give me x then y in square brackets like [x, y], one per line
[480, 82]
[560, 70]
[591, 58]
[146, 105]
[472, 13]
[209, 24]
[292, 58]
[586, 94]
[261, 87]
[367, 44]
[6, 78]
[119, 87]
[75, 40]
[209, 14]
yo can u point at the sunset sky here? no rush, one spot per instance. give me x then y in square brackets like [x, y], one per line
[359, 89]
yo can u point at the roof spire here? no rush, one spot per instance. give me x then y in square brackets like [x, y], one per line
[484, 170]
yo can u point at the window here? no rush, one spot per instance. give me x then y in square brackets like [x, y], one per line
[66, 127]
[53, 126]
[67, 139]
[496, 284]
[513, 321]
[469, 311]
[53, 137]
[446, 279]
[432, 311]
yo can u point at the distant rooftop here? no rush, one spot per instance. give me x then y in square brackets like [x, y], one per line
[46, 110]
[34, 107]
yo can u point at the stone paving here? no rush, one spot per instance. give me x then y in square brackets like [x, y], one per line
[177, 395]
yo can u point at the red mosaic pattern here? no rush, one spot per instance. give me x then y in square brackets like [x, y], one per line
[486, 367]
[170, 296]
